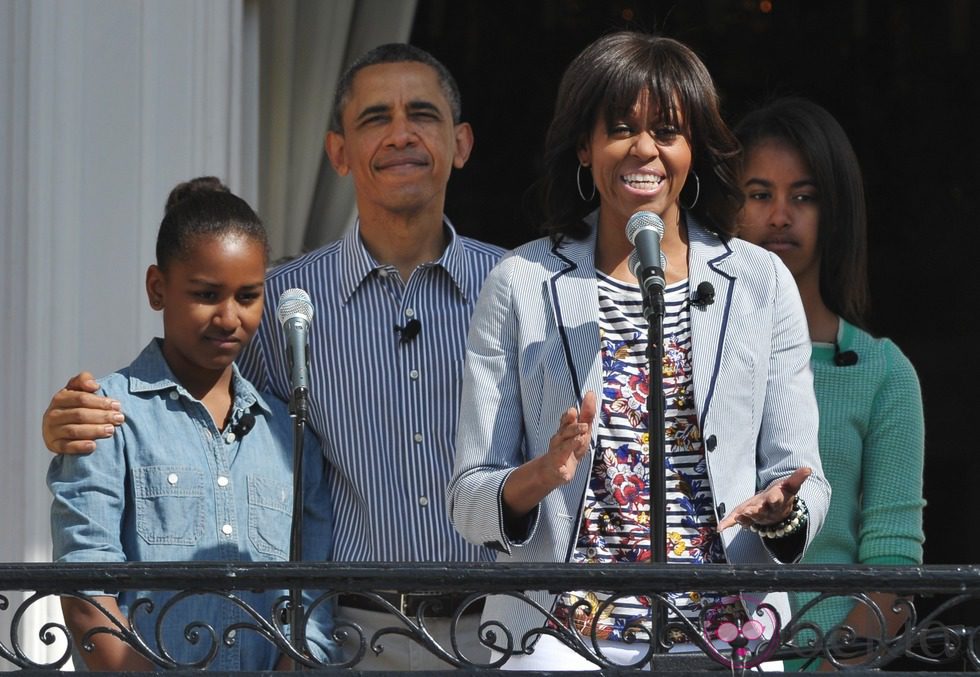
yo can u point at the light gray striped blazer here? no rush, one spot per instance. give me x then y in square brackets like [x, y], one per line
[533, 351]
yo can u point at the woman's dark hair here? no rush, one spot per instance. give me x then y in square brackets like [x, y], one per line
[842, 240]
[204, 207]
[604, 82]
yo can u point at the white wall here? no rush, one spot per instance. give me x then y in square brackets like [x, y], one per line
[104, 106]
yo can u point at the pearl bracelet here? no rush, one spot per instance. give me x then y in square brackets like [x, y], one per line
[797, 520]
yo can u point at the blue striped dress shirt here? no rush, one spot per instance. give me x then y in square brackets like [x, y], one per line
[385, 410]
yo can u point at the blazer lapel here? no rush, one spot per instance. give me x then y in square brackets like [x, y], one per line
[708, 262]
[575, 304]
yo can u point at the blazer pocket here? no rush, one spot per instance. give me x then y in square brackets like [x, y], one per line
[169, 504]
[270, 510]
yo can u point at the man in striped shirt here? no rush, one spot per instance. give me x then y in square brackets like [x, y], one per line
[393, 300]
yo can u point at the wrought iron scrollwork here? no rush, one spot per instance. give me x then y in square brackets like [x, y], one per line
[732, 642]
[47, 634]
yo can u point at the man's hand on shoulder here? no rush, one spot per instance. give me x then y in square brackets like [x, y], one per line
[76, 417]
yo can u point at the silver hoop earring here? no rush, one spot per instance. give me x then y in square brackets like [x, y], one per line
[697, 193]
[578, 184]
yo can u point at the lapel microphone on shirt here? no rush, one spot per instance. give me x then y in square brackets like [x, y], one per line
[704, 295]
[409, 331]
[245, 424]
[848, 358]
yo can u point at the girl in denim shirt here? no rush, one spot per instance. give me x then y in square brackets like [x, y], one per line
[202, 467]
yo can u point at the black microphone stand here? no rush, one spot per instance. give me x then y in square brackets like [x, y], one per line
[653, 309]
[297, 628]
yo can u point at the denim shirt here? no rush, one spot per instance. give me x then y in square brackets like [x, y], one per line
[170, 486]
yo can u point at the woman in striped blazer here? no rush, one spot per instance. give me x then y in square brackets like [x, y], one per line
[553, 452]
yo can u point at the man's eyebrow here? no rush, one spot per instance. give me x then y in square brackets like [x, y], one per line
[422, 105]
[373, 110]
[414, 106]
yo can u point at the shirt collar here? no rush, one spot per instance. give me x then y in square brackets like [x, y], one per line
[357, 264]
[151, 373]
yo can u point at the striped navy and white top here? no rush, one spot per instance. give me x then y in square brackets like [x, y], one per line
[617, 514]
[385, 410]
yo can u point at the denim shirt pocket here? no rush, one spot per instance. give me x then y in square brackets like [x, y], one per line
[270, 509]
[169, 504]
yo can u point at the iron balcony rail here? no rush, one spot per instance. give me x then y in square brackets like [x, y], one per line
[928, 640]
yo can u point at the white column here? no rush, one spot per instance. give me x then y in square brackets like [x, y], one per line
[104, 106]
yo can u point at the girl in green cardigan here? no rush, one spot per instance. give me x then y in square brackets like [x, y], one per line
[804, 200]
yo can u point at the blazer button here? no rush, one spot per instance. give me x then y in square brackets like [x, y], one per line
[711, 442]
[721, 511]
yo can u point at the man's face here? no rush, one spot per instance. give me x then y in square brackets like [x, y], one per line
[399, 142]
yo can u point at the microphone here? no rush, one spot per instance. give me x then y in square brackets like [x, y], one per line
[848, 358]
[409, 331]
[644, 230]
[244, 425]
[704, 295]
[295, 314]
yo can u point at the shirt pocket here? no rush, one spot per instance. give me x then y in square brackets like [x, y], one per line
[270, 509]
[169, 504]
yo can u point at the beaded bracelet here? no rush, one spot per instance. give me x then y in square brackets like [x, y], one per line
[797, 520]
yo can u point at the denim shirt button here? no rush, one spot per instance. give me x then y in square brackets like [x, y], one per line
[222, 481]
[172, 478]
[229, 438]
[174, 395]
[226, 530]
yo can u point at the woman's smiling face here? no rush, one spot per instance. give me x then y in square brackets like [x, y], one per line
[639, 161]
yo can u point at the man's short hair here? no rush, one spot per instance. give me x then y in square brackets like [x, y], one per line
[394, 52]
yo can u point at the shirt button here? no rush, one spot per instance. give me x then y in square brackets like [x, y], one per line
[229, 438]
[226, 530]
[174, 395]
[231, 634]
[423, 501]
[222, 481]
[382, 272]
[409, 312]
[418, 437]
[414, 374]
[711, 442]
[172, 478]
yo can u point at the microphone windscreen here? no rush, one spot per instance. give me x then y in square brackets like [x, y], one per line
[295, 303]
[244, 425]
[643, 220]
[706, 292]
[411, 330]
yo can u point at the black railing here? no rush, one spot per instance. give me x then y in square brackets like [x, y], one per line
[937, 640]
